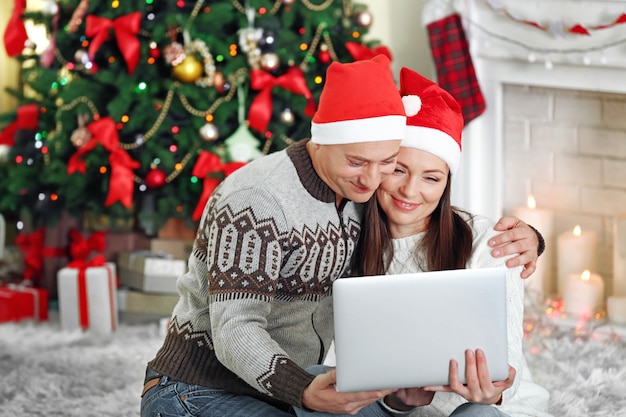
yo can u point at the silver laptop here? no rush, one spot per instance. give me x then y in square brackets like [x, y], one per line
[400, 331]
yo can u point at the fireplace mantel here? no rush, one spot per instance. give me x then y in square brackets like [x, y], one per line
[508, 52]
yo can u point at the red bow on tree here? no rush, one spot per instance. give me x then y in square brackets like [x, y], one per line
[207, 163]
[361, 52]
[125, 27]
[80, 247]
[121, 185]
[261, 108]
[27, 117]
[15, 35]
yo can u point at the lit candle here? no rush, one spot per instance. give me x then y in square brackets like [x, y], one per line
[577, 251]
[541, 282]
[583, 294]
[616, 309]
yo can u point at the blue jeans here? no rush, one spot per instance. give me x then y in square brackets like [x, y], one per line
[477, 410]
[176, 399]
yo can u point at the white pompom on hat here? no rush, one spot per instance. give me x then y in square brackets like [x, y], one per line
[359, 103]
[435, 120]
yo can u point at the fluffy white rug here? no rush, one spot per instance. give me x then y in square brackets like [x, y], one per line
[47, 372]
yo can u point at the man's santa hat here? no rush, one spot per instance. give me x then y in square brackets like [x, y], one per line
[359, 103]
[434, 118]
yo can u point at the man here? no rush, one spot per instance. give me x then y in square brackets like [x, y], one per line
[255, 308]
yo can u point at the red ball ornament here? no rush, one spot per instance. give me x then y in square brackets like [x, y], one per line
[155, 178]
[154, 52]
[324, 57]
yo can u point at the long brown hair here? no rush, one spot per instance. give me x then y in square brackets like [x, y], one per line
[447, 241]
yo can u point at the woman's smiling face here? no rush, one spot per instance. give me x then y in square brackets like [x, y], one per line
[410, 195]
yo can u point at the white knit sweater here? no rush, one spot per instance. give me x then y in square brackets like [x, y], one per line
[524, 398]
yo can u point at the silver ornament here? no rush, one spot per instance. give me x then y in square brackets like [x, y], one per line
[364, 19]
[209, 132]
[287, 116]
[270, 61]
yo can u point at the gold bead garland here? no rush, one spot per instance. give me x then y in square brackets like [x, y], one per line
[272, 11]
[317, 7]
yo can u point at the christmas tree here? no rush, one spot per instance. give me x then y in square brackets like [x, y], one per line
[137, 109]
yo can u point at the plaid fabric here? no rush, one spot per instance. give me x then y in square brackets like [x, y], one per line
[455, 71]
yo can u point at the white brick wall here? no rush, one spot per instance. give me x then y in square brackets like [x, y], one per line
[568, 148]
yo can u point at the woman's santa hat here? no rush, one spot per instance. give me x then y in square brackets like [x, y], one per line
[434, 118]
[359, 103]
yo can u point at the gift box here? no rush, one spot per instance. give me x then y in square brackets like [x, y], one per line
[46, 251]
[87, 297]
[152, 272]
[178, 248]
[142, 307]
[20, 302]
[177, 228]
[117, 243]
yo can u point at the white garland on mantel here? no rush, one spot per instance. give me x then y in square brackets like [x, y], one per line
[496, 34]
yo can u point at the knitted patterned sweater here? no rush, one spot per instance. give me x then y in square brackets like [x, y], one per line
[255, 306]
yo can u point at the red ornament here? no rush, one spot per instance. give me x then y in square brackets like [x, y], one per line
[155, 178]
[154, 52]
[324, 57]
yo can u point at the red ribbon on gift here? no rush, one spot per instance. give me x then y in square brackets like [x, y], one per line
[207, 163]
[261, 108]
[27, 117]
[32, 246]
[121, 183]
[81, 247]
[125, 27]
[361, 52]
[83, 303]
[15, 35]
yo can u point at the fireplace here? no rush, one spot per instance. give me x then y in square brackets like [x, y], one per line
[557, 134]
[553, 128]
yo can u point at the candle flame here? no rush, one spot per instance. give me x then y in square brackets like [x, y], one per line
[586, 275]
[577, 231]
[532, 204]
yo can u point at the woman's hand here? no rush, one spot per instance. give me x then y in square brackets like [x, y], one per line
[517, 238]
[478, 387]
[321, 395]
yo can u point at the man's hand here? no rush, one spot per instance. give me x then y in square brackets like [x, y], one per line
[517, 238]
[321, 395]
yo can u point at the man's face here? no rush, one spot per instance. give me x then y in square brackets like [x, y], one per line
[354, 171]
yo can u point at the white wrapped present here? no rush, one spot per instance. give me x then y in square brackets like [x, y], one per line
[87, 296]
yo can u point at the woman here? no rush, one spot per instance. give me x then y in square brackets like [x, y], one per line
[411, 226]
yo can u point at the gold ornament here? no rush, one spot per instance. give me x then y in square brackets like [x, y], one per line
[209, 132]
[270, 61]
[189, 70]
